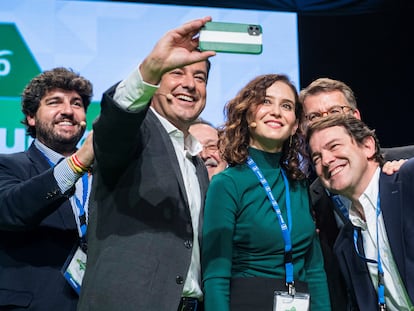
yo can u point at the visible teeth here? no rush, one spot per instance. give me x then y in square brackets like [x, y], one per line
[211, 162]
[337, 170]
[65, 123]
[274, 123]
[186, 98]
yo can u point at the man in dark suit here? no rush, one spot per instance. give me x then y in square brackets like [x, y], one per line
[149, 184]
[320, 98]
[38, 190]
[348, 161]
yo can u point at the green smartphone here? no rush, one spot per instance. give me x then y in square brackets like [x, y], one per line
[231, 38]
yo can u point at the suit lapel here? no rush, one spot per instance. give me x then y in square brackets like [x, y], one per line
[166, 140]
[37, 158]
[391, 207]
[64, 212]
[203, 180]
[354, 268]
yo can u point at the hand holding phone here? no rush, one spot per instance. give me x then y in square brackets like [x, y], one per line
[231, 38]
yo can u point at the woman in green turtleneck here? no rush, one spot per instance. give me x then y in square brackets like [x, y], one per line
[242, 233]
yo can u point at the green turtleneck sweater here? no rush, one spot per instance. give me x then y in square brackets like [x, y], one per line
[242, 236]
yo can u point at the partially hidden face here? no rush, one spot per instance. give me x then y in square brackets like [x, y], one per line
[326, 103]
[208, 137]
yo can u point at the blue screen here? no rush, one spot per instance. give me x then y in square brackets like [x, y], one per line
[105, 40]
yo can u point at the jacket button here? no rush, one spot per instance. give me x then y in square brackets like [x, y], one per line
[179, 279]
[188, 244]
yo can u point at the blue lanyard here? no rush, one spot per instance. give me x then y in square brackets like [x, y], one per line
[80, 205]
[381, 295]
[341, 210]
[285, 228]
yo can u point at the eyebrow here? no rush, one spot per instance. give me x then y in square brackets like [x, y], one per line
[283, 99]
[201, 72]
[59, 97]
[324, 146]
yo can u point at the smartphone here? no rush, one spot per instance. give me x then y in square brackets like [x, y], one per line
[231, 38]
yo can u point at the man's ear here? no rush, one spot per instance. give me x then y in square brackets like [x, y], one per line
[357, 114]
[31, 120]
[369, 146]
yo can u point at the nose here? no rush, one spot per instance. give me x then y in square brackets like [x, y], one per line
[327, 158]
[204, 154]
[67, 108]
[276, 109]
[188, 81]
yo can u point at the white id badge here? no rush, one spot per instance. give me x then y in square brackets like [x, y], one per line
[285, 302]
[76, 269]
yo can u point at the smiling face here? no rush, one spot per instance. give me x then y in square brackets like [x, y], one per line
[343, 166]
[274, 120]
[181, 96]
[57, 120]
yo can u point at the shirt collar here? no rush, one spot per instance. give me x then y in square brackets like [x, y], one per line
[191, 144]
[52, 155]
[368, 200]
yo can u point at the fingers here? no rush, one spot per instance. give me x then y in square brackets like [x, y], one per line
[177, 48]
[85, 153]
[192, 27]
[390, 167]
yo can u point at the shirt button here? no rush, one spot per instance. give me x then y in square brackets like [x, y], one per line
[188, 244]
[179, 279]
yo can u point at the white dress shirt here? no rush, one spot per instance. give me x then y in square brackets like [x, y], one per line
[396, 296]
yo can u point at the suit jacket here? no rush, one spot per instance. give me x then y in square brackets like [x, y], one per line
[140, 233]
[397, 197]
[37, 233]
[325, 211]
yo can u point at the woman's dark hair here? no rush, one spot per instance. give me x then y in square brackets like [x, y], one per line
[235, 135]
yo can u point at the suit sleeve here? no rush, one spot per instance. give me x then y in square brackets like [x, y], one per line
[27, 196]
[116, 137]
[316, 277]
[217, 248]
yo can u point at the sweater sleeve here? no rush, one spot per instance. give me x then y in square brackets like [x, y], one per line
[217, 251]
[316, 277]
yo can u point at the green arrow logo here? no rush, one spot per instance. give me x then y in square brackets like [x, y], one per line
[17, 64]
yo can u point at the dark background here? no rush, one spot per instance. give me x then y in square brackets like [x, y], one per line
[373, 53]
[368, 44]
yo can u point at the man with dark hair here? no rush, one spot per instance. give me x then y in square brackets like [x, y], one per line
[43, 195]
[149, 184]
[323, 97]
[375, 248]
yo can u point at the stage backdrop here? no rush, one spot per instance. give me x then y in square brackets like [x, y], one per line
[104, 41]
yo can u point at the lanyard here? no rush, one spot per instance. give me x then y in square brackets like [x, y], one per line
[80, 205]
[381, 296]
[339, 203]
[285, 228]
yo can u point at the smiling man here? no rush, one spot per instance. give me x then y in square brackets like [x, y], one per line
[40, 219]
[323, 97]
[149, 187]
[375, 248]
[207, 135]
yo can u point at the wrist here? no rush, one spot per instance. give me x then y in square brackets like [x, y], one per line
[76, 165]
